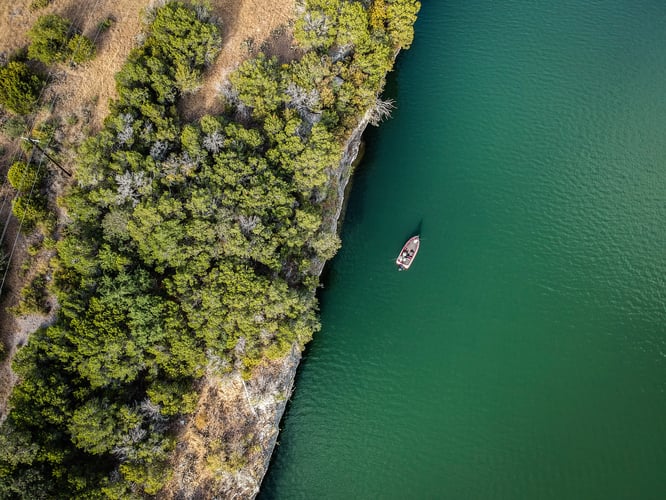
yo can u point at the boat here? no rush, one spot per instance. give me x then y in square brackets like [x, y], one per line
[408, 252]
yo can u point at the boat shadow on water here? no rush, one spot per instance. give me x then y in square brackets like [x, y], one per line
[418, 231]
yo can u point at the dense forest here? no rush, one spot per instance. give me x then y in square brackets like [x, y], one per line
[189, 246]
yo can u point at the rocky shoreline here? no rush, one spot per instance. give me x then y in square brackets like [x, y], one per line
[341, 178]
[224, 449]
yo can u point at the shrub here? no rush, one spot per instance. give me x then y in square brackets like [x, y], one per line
[105, 24]
[24, 176]
[30, 210]
[19, 87]
[45, 131]
[38, 4]
[49, 38]
[15, 127]
[54, 40]
[81, 48]
[34, 297]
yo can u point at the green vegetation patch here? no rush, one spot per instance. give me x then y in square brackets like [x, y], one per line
[192, 245]
[53, 38]
[36, 5]
[25, 176]
[19, 87]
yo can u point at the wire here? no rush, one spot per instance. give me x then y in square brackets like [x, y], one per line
[16, 154]
[18, 233]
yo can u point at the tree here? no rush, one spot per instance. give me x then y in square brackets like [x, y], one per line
[92, 427]
[177, 33]
[257, 82]
[54, 39]
[81, 48]
[401, 16]
[49, 37]
[19, 87]
[315, 29]
[25, 177]
[30, 210]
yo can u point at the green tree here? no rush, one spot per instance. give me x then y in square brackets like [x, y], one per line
[19, 87]
[257, 82]
[401, 16]
[49, 37]
[25, 177]
[178, 33]
[352, 26]
[92, 427]
[30, 210]
[316, 28]
[81, 48]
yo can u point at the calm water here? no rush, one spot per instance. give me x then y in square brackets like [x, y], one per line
[523, 356]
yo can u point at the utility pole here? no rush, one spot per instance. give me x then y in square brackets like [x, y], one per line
[35, 142]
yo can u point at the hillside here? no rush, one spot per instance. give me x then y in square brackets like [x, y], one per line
[186, 254]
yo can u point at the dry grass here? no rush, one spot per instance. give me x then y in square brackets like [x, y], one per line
[92, 85]
[15, 19]
[247, 25]
[92, 82]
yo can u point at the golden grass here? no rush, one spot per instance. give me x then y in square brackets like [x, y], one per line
[90, 86]
[93, 82]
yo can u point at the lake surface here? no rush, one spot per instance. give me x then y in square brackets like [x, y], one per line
[523, 356]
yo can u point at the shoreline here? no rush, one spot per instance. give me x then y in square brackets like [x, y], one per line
[246, 414]
[348, 163]
[225, 445]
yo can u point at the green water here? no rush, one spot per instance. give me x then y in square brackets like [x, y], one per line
[523, 356]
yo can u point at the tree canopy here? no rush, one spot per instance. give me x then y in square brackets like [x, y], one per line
[190, 243]
[54, 38]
